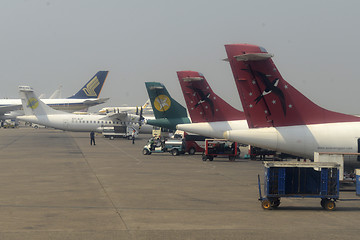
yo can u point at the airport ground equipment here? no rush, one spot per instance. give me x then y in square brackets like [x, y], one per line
[118, 132]
[300, 180]
[220, 147]
[174, 146]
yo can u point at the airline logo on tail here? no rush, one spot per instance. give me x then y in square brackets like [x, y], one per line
[89, 90]
[203, 98]
[272, 87]
[162, 103]
[32, 103]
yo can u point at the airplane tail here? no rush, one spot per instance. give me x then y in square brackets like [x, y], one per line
[202, 103]
[32, 105]
[268, 100]
[164, 106]
[92, 88]
[146, 104]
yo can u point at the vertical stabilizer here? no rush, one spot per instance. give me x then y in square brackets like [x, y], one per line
[163, 104]
[268, 100]
[93, 87]
[167, 111]
[202, 103]
[32, 105]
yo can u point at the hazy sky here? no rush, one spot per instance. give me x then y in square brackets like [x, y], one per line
[47, 43]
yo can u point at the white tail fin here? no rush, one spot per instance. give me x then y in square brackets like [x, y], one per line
[32, 105]
[146, 104]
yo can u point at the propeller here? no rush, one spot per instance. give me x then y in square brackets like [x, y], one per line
[141, 119]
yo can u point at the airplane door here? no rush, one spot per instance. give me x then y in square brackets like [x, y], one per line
[66, 124]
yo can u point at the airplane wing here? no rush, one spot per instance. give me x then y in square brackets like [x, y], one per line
[6, 109]
[124, 116]
[119, 116]
[95, 101]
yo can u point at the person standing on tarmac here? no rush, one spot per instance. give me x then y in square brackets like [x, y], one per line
[133, 136]
[92, 138]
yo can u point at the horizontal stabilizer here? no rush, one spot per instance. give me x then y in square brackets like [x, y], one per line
[95, 101]
[253, 57]
[192, 79]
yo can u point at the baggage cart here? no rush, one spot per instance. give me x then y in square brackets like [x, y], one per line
[300, 180]
[220, 147]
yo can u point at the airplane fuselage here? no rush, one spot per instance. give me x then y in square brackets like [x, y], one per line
[81, 123]
[66, 104]
[213, 129]
[303, 140]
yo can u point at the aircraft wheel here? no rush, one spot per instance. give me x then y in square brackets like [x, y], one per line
[266, 204]
[192, 151]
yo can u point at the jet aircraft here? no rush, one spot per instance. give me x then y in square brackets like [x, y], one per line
[146, 109]
[86, 97]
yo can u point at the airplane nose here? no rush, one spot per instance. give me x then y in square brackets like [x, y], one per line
[226, 134]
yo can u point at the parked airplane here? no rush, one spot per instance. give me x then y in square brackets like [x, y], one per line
[38, 112]
[86, 97]
[146, 109]
[211, 116]
[167, 111]
[279, 116]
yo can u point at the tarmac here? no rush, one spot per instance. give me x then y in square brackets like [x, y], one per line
[54, 185]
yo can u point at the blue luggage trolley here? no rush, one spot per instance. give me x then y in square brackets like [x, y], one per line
[299, 179]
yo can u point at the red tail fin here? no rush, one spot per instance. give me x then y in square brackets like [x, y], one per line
[267, 99]
[202, 103]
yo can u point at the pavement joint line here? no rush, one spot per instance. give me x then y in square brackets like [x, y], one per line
[102, 186]
[138, 161]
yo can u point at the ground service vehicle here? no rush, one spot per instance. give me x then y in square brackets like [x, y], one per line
[118, 131]
[220, 147]
[174, 146]
[193, 142]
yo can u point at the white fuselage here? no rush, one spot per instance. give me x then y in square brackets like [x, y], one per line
[303, 140]
[77, 123]
[132, 110]
[65, 104]
[213, 129]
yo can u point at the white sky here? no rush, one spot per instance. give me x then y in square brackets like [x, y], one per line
[48, 43]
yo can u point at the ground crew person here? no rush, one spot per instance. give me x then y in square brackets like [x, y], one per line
[92, 138]
[133, 136]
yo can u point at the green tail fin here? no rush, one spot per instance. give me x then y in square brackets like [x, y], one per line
[165, 108]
